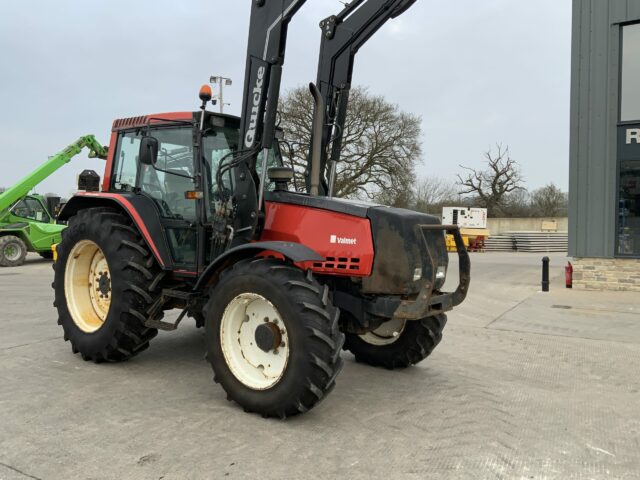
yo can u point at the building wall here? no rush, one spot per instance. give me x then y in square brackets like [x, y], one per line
[594, 116]
[606, 274]
[498, 226]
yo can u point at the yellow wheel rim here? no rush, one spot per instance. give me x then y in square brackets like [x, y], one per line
[87, 286]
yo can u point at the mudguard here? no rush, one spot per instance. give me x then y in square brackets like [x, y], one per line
[140, 209]
[295, 252]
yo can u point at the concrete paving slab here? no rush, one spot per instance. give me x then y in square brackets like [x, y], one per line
[594, 315]
[488, 404]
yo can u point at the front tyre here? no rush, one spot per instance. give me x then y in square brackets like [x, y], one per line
[272, 337]
[397, 343]
[12, 251]
[104, 284]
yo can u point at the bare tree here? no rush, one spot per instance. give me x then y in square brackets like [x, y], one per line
[491, 186]
[549, 201]
[517, 204]
[433, 193]
[380, 143]
[398, 197]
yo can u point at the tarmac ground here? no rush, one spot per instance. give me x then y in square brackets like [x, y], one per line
[525, 385]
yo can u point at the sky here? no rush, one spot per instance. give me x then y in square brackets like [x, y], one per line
[477, 72]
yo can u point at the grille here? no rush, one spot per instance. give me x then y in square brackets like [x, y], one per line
[341, 264]
[129, 122]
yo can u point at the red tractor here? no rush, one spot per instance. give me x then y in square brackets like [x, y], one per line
[195, 213]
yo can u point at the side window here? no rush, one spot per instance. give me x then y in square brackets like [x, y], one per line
[274, 160]
[32, 209]
[126, 161]
[172, 175]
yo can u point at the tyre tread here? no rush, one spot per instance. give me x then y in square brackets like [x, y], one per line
[130, 335]
[319, 320]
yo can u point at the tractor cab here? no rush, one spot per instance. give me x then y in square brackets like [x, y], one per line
[171, 164]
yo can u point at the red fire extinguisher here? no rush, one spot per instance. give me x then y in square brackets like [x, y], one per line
[568, 275]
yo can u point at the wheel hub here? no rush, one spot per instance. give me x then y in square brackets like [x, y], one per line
[11, 252]
[268, 336]
[385, 334]
[254, 341]
[104, 284]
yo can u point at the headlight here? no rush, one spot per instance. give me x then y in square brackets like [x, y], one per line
[417, 274]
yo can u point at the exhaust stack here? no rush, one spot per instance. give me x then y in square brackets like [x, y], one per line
[316, 148]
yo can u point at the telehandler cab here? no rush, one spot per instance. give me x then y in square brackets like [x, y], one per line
[195, 214]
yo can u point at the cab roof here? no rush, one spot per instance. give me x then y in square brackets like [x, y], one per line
[156, 118]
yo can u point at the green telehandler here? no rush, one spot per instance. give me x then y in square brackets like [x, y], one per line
[27, 222]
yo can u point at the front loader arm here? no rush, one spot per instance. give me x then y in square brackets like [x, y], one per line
[265, 57]
[342, 36]
[28, 183]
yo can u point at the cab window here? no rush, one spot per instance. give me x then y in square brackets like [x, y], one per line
[32, 209]
[218, 144]
[126, 162]
[172, 176]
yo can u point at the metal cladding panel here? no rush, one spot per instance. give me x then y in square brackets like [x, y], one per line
[633, 10]
[594, 116]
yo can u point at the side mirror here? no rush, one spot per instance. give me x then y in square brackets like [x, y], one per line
[148, 154]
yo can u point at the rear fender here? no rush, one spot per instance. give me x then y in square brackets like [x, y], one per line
[140, 209]
[295, 252]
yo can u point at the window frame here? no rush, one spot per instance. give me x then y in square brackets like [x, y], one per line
[622, 27]
[44, 209]
[621, 124]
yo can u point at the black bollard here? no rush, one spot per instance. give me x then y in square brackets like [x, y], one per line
[545, 274]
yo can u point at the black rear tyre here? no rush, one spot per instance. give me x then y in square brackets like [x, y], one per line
[280, 379]
[12, 251]
[106, 323]
[413, 343]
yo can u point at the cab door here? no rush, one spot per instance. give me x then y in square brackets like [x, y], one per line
[165, 183]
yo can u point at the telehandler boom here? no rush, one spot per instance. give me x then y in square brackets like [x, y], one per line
[27, 223]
